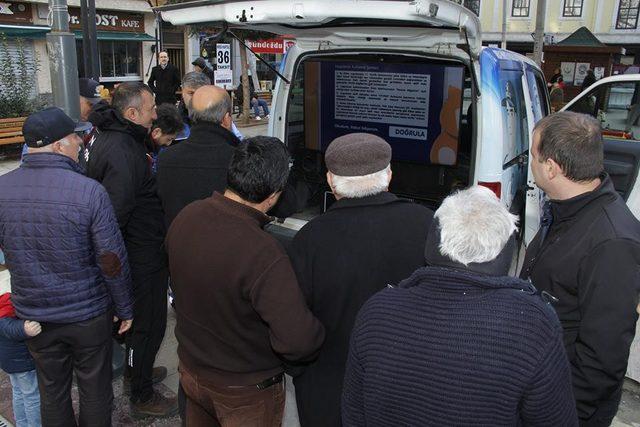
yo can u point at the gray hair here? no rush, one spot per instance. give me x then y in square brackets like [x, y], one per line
[129, 94]
[213, 113]
[474, 226]
[353, 187]
[195, 80]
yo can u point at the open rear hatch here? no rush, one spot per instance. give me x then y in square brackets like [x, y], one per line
[304, 18]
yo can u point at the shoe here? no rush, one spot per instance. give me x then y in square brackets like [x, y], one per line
[268, 116]
[157, 406]
[159, 373]
[258, 118]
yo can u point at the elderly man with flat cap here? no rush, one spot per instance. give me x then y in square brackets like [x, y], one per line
[367, 239]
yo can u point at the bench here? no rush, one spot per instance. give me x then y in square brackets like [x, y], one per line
[11, 131]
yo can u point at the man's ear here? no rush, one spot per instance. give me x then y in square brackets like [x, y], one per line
[156, 133]
[130, 114]
[330, 180]
[226, 121]
[552, 169]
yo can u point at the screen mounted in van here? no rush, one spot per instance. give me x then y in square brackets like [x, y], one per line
[414, 107]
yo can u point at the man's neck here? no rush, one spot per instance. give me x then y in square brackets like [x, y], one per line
[573, 189]
[262, 207]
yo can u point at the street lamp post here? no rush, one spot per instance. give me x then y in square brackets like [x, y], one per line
[538, 38]
[63, 64]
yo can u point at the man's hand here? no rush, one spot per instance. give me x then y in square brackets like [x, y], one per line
[124, 326]
[32, 328]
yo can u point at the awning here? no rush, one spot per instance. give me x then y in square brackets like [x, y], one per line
[116, 35]
[24, 31]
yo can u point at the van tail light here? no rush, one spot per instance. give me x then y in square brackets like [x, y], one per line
[496, 187]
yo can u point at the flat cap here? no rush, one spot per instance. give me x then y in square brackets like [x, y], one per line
[357, 154]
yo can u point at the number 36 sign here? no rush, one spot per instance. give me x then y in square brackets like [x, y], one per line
[223, 76]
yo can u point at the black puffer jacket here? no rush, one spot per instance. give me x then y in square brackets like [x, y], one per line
[120, 161]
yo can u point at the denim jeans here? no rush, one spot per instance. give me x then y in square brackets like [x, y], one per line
[256, 104]
[26, 399]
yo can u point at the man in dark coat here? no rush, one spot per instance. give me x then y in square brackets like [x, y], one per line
[164, 80]
[459, 342]
[197, 167]
[200, 65]
[587, 255]
[69, 269]
[120, 160]
[368, 239]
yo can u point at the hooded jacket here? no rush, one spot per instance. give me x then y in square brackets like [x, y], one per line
[590, 261]
[121, 162]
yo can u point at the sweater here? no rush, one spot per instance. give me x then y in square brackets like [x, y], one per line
[451, 347]
[238, 306]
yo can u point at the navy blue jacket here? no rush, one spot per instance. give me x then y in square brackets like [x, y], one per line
[449, 347]
[62, 243]
[14, 355]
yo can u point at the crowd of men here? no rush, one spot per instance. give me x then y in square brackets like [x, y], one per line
[384, 312]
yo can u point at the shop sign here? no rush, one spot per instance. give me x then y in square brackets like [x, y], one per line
[110, 20]
[15, 13]
[270, 46]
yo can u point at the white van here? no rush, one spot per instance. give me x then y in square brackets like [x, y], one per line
[413, 72]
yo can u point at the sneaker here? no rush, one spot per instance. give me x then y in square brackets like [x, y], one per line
[268, 116]
[159, 373]
[157, 406]
[258, 118]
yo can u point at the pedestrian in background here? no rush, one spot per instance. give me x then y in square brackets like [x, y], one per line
[69, 269]
[368, 238]
[164, 80]
[200, 65]
[587, 255]
[459, 342]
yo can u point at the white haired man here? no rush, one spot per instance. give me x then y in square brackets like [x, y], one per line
[459, 342]
[366, 240]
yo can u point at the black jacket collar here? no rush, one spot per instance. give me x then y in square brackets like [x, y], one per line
[383, 198]
[107, 118]
[567, 209]
[208, 133]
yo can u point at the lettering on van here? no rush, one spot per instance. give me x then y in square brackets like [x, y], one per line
[408, 133]
[382, 97]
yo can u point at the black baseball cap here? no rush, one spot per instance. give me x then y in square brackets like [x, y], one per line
[48, 126]
[89, 89]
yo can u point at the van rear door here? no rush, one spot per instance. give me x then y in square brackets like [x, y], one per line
[615, 102]
[305, 19]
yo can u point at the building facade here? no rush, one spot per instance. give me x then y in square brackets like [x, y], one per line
[613, 22]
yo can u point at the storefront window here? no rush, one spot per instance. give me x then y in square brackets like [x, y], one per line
[119, 58]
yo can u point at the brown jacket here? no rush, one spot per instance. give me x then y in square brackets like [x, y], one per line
[238, 303]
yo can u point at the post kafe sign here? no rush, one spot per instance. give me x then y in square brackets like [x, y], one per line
[110, 20]
[15, 13]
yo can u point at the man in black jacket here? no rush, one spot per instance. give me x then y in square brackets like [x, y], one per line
[120, 161]
[587, 255]
[164, 80]
[197, 167]
[367, 239]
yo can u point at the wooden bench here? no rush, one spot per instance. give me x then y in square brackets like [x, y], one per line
[11, 131]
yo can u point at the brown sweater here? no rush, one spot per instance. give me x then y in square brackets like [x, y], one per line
[238, 303]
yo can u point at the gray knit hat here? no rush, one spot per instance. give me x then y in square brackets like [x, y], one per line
[357, 154]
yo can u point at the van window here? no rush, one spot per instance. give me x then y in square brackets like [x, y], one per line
[537, 92]
[414, 103]
[616, 105]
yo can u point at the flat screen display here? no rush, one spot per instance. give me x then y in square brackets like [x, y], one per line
[414, 107]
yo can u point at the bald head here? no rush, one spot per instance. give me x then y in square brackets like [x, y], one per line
[211, 104]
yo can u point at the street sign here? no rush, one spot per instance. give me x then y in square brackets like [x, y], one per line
[223, 78]
[223, 56]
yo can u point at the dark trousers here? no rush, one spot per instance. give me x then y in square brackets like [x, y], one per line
[81, 347]
[209, 405]
[146, 334]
